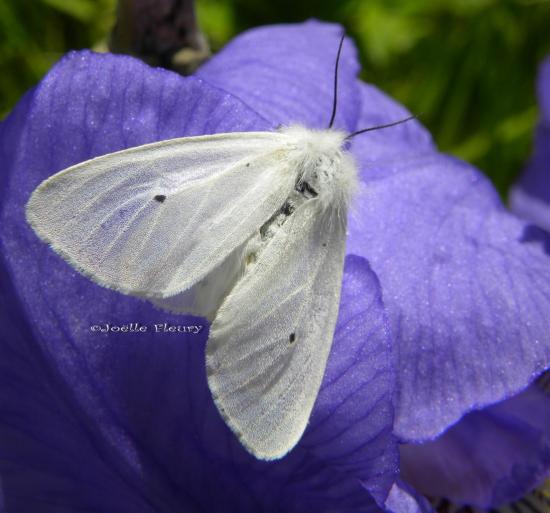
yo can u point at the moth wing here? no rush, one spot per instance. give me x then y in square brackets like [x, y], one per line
[205, 297]
[271, 338]
[156, 219]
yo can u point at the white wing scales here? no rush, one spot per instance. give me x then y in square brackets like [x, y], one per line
[205, 297]
[155, 220]
[271, 338]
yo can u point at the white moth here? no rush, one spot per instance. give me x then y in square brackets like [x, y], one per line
[246, 229]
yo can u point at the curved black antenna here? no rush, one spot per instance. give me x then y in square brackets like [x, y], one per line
[336, 80]
[378, 127]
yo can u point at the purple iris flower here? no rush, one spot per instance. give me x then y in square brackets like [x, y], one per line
[445, 309]
[495, 455]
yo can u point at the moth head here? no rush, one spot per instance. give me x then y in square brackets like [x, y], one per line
[325, 170]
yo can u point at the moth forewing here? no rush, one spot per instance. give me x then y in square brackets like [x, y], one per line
[271, 337]
[205, 297]
[104, 216]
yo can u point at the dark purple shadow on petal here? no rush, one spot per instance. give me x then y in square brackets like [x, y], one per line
[125, 422]
[286, 73]
[467, 296]
[490, 458]
[535, 235]
[530, 197]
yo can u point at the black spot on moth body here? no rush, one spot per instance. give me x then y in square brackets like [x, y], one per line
[306, 190]
[277, 219]
[292, 338]
[160, 198]
[287, 209]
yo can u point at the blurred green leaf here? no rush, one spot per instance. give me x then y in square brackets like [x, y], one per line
[217, 21]
[34, 34]
[82, 10]
[517, 125]
[387, 35]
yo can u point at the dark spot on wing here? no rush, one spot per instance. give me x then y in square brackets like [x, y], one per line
[160, 198]
[248, 164]
[250, 258]
[292, 338]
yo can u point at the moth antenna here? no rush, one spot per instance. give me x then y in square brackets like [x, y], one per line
[378, 127]
[333, 115]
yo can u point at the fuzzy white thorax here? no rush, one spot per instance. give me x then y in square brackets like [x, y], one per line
[323, 163]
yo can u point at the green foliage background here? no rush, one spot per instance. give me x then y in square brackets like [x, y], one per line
[468, 66]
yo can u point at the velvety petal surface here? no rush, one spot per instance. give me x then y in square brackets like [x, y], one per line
[491, 457]
[466, 284]
[286, 73]
[376, 151]
[174, 453]
[125, 422]
[352, 420]
[530, 198]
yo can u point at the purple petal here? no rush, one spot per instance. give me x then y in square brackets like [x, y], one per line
[466, 285]
[175, 453]
[125, 422]
[530, 198]
[405, 499]
[376, 151]
[352, 421]
[53, 455]
[494, 456]
[286, 74]
[491, 457]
